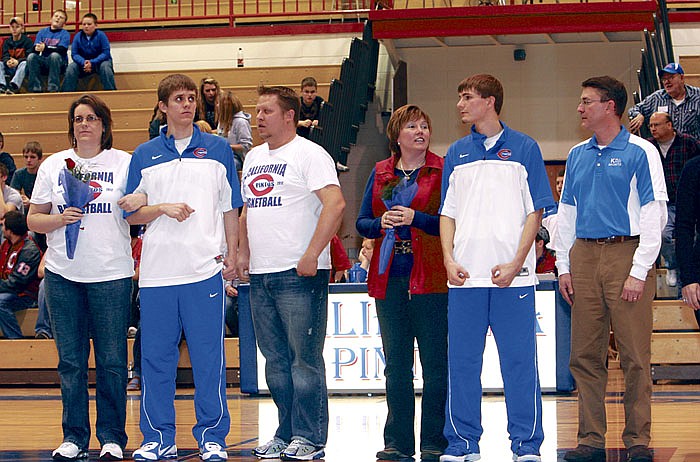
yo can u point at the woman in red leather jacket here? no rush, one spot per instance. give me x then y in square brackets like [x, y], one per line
[411, 292]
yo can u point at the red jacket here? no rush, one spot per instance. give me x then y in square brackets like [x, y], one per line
[428, 274]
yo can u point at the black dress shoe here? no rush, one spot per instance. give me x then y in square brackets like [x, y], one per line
[584, 453]
[639, 454]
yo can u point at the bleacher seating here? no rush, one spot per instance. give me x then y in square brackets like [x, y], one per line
[43, 116]
[348, 98]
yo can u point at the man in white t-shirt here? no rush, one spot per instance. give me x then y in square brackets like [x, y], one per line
[293, 207]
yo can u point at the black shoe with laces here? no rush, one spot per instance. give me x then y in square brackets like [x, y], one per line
[639, 454]
[584, 453]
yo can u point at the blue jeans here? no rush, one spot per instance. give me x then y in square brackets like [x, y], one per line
[289, 316]
[105, 307]
[668, 241]
[16, 73]
[54, 65]
[9, 304]
[74, 72]
[43, 321]
[403, 320]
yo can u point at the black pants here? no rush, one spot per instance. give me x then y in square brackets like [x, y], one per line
[403, 319]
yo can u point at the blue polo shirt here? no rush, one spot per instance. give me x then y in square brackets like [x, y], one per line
[608, 185]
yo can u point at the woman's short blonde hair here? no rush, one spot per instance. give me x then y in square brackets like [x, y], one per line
[398, 119]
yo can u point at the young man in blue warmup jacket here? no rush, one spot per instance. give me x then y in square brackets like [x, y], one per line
[91, 54]
[490, 260]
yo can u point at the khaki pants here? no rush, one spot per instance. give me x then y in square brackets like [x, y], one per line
[599, 272]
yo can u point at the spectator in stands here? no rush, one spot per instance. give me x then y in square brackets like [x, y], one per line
[234, 125]
[687, 228]
[19, 284]
[681, 101]
[15, 50]
[90, 52]
[407, 280]
[549, 217]
[204, 127]
[208, 102]
[366, 253]
[546, 259]
[7, 160]
[340, 263]
[559, 183]
[156, 123]
[24, 178]
[10, 199]
[285, 235]
[50, 54]
[310, 107]
[42, 328]
[605, 258]
[91, 291]
[675, 149]
[489, 255]
[182, 270]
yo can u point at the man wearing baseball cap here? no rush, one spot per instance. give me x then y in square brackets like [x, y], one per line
[15, 50]
[680, 101]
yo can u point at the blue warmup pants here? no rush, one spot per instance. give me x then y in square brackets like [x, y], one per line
[511, 314]
[198, 309]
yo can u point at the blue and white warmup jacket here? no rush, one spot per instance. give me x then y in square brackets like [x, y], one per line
[613, 190]
[205, 178]
[489, 194]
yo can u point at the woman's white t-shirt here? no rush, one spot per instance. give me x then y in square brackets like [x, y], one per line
[103, 252]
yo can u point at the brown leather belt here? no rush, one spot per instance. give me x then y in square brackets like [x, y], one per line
[402, 247]
[611, 239]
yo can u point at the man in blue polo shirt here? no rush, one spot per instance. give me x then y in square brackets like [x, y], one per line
[610, 219]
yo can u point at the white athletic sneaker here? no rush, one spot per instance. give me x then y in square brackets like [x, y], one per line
[212, 452]
[111, 451]
[461, 458]
[154, 451]
[270, 450]
[527, 458]
[302, 450]
[68, 451]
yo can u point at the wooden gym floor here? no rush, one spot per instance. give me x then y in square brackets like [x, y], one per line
[30, 424]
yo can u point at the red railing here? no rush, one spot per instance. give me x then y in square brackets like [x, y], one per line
[131, 13]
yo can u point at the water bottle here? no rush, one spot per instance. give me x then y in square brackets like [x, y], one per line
[354, 273]
[239, 61]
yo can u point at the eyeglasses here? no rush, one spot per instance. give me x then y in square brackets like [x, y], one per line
[668, 78]
[89, 119]
[588, 102]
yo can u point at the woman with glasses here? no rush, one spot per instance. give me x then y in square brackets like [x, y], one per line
[88, 275]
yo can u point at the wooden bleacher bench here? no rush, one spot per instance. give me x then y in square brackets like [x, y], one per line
[30, 361]
[675, 342]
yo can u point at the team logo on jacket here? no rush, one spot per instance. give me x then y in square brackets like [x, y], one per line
[200, 152]
[504, 154]
[262, 184]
